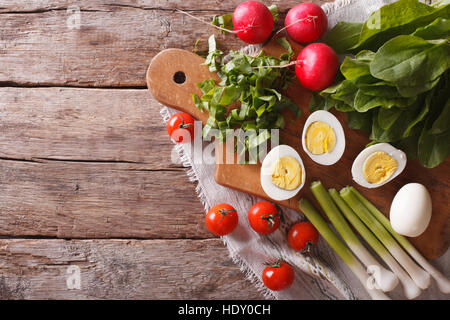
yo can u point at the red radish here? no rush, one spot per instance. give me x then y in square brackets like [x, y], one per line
[306, 22]
[316, 66]
[253, 22]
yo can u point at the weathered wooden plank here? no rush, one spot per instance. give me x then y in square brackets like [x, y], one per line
[215, 5]
[120, 269]
[84, 124]
[112, 46]
[97, 200]
[111, 173]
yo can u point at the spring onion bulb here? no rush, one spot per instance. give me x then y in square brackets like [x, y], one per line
[385, 280]
[442, 281]
[339, 247]
[410, 289]
[419, 276]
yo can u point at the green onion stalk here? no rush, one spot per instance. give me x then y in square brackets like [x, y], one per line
[385, 279]
[442, 281]
[410, 289]
[339, 247]
[419, 276]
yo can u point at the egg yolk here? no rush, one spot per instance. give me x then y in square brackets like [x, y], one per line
[320, 138]
[379, 167]
[286, 173]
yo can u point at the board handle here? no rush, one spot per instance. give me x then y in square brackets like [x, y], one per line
[172, 78]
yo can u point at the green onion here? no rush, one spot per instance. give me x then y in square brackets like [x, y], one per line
[410, 289]
[419, 276]
[385, 279]
[339, 247]
[442, 282]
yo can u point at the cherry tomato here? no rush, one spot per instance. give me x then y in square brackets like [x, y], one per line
[264, 217]
[181, 127]
[302, 236]
[221, 219]
[278, 276]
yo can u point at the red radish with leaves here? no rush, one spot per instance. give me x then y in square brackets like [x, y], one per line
[264, 217]
[222, 219]
[316, 66]
[306, 22]
[278, 276]
[181, 127]
[302, 236]
[253, 22]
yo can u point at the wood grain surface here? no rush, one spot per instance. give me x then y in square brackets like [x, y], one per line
[91, 163]
[120, 269]
[113, 44]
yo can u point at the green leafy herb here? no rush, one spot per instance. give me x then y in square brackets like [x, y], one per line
[254, 85]
[441, 124]
[439, 28]
[343, 36]
[400, 17]
[225, 21]
[274, 11]
[396, 86]
[410, 60]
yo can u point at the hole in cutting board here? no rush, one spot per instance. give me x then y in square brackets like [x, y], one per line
[179, 77]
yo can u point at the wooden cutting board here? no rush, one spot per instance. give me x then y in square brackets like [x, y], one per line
[172, 77]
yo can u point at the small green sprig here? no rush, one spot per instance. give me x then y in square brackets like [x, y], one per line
[256, 83]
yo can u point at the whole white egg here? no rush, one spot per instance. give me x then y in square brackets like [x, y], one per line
[411, 210]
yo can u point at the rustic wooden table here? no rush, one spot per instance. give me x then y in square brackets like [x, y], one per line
[91, 205]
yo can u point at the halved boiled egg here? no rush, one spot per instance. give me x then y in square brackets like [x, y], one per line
[323, 138]
[282, 173]
[377, 165]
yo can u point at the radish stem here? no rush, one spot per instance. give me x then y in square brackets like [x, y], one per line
[419, 276]
[203, 21]
[410, 289]
[442, 281]
[339, 247]
[384, 278]
[308, 18]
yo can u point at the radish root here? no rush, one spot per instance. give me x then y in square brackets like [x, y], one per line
[217, 27]
[308, 18]
[281, 66]
[205, 22]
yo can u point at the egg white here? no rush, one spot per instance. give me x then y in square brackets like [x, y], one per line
[358, 164]
[411, 210]
[332, 157]
[274, 192]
